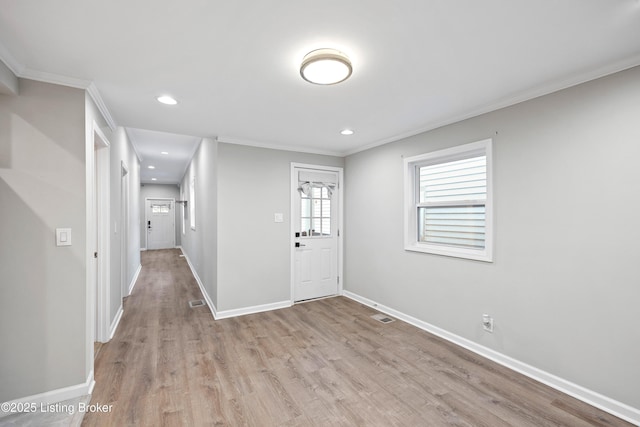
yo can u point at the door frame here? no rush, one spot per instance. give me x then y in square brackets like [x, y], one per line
[98, 214]
[293, 188]
[146, 233]
[124, 229]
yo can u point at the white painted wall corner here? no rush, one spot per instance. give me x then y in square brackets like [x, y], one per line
[206, 296]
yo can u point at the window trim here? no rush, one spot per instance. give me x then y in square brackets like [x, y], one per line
[192, 202]
[411, 200]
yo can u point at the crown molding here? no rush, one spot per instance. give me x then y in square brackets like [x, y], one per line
[74, 82]
[555, 85]
[57, 79]
[274, 146]
[23, 72]
[92, 90]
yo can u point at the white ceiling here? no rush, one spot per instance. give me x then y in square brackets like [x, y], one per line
[233, 66]
[167, 168]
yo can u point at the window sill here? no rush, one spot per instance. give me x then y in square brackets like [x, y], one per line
[471, 254]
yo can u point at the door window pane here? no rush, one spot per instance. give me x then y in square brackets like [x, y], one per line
[305, 226]
[315, 212]
[305, 208]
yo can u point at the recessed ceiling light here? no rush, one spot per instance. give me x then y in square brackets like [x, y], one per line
[164, 152]
[347, 132]
[154, 179]
[166, 99]
[151, 167]
[325, 67]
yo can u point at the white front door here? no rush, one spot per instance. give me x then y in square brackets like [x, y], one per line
[315, 224]
[160, 224]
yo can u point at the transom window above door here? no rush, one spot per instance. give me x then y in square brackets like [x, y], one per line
[160, 209]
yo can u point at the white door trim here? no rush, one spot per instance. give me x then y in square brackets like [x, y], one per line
[124, 228]
[97, 238]
[146, 233]
[292, 251]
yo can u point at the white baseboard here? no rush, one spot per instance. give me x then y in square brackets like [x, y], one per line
[53, 396]
[253, 309]
[235, 312]
[591, 397]
[132, 284]
[206, 296]
[116, 322]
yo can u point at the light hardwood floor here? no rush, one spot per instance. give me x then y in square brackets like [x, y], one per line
[323, 363]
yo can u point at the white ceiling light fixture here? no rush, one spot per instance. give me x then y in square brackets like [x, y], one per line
[325, 67]
[347, 132]
[151, 167]
[166, 99]
[154, 179]
[164, 152]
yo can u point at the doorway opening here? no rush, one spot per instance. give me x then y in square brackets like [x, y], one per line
[98, 239]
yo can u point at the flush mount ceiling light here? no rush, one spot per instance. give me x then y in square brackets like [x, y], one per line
[325, 67]
[347, 132]
[151, 167]
[164, 152]
[166, 99]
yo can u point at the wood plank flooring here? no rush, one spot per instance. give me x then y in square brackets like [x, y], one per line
[322, 363]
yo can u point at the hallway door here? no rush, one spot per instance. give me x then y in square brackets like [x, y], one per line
[160, 223]
[315, 200]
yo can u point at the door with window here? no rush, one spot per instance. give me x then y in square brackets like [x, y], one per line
[160, 224]
[316, 235]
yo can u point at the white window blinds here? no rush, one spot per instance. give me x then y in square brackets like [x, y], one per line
[451, 202]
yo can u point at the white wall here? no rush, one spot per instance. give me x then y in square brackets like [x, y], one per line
[254, 251]
[159, 191]
[200, 244]
[42, 291]
[239, 253]
[564, 287]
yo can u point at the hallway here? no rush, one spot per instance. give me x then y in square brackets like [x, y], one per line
[143, 371]
[321, 363]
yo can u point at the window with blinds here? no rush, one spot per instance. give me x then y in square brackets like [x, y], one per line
[451, 205]
[449, 202]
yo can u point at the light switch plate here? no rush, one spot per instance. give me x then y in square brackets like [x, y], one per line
[63, 237]
[278, 217]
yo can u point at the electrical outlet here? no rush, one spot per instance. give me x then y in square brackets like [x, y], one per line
[487, 323]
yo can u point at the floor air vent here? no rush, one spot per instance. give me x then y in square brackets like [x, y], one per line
[382, 318]
[196, 303]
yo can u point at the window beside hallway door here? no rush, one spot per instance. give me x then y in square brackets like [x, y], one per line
[192, 202]
[184, 212]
